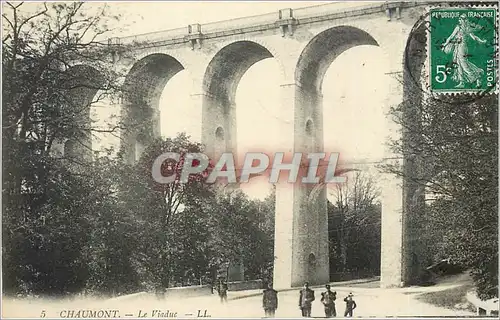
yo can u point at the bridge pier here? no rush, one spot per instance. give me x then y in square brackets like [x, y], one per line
[391, 255]
[301, 231]
[218, 127]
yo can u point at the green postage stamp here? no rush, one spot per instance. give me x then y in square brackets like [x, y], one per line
[462, 49]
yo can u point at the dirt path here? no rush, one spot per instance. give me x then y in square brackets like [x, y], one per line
[371, 302]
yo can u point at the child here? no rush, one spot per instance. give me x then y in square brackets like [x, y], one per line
[350, 305]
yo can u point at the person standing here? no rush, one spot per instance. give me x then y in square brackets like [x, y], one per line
[350, 305]
[328, 299]
[212, 286]
[306, 297]
[223, 291]
[270, 301]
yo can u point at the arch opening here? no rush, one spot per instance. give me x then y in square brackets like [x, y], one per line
[177, 111]
[69, 148]
[356, 95]
[313, 63]
[322, 50]
[312, 260]
[355, 92]
[309, 139]
[258, 118]
[220, 83]
[228, 66]
[142, 91]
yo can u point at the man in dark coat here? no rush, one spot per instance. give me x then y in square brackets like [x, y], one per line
[350, 305]
[306, 298]
[328, 299]
[270, 301]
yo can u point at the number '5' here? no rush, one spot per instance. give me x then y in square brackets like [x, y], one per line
[441, 70]
[42, 315]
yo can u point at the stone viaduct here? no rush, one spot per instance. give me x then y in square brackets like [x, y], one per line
[304, 42]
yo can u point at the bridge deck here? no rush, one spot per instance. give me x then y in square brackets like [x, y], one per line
[274, 20]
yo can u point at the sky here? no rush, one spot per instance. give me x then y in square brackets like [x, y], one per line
[354, 88]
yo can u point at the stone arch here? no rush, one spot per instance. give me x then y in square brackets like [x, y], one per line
[310, 70]
[142, 90]
[84, 79]
[322, 50]
[270, 45]
[228, 66]
[220, 82]
[219, 85]
[81, 84]
[312, 263]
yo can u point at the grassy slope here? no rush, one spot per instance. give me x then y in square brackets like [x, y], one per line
[450, 298]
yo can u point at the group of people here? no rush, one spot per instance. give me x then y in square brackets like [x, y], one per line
[306, 297]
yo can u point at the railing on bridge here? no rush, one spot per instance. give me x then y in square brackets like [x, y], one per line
[270, 20]
[246, 22]
[343, 9]
[154, 36]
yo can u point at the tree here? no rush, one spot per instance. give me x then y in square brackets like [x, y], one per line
[54, 68]
[355, 219]
[267, 215]
[456, 144]
[45, 96]
[241, 231]
[165, 211]
[112, 232]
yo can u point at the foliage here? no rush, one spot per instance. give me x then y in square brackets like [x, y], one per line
[48, 198]
[189, 230]
[253, 244]
[354, 225]
[69, 237]
[456, 145]
[39, 76]
[112, 237]
[165, 212]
